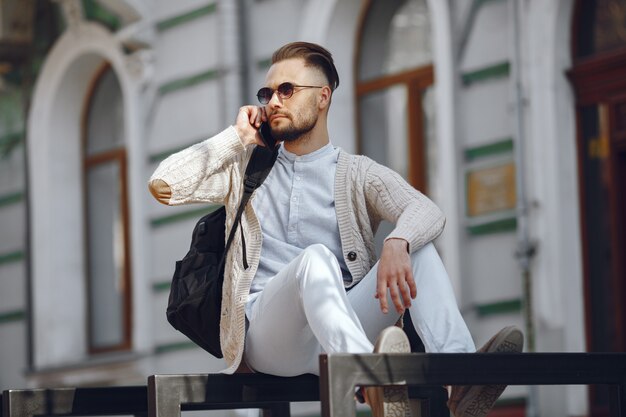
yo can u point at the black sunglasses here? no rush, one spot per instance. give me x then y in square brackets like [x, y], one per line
[284, 90]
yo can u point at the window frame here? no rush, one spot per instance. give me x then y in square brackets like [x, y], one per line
[118, 155]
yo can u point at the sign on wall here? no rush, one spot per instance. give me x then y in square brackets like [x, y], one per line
[491, 189]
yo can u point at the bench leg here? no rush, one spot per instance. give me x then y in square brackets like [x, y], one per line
[620, 400]
[429, 401]
[163, 402]
[336, 391]
[277, 410]
[438, 403]
[28, 403]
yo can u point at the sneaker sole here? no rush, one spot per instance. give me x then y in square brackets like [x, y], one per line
[480, 399]
[394, 399]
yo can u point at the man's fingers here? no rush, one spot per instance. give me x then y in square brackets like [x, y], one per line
[395, 297]
[249, 120]
[258, 118]
[406, 296]
[381, 294]
[411, 281]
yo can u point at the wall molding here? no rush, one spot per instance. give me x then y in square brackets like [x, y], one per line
[498, 147]
[12, 316]
[161, 286]
[14, 256]
[514, 305]
[11, 198]
[95, 12]
[10, 141]
[189, 81]
[496, 226]
[187, 17]
[500, 70]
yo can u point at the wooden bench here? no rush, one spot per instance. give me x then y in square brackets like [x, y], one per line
[340, 373]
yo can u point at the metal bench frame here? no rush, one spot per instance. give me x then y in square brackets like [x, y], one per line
[340, 373]
[169, 394]
[129, 400]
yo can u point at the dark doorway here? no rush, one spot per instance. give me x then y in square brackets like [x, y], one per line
[599, 80]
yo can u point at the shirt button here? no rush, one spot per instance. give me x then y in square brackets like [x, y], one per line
[294, 199]
[352, 256]
[298, 178]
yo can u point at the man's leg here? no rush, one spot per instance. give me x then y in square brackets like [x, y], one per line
[434, 312]
[439, 324]
[302, 312]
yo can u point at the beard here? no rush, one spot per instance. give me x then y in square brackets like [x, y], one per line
[297, 129]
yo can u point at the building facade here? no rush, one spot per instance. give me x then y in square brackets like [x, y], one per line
[509, 114]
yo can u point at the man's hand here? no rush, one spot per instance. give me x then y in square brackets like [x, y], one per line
[247, 125]
[395, 272]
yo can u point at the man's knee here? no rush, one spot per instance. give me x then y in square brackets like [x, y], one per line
[427, 260]
[318, 252]
[428, 253]
[318, 262]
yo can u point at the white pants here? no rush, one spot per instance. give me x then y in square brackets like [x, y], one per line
[304, 310]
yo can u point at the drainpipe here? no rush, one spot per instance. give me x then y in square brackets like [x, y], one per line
[244, 50]
[233, 57]
[525, 248]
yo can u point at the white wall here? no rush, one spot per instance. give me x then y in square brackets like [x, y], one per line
[55, 189]
[483, 268]
[553, 184]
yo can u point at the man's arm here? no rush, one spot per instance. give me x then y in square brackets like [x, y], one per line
[418, 221]
[200, 172]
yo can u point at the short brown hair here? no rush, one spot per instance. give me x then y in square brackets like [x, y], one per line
[314, 55]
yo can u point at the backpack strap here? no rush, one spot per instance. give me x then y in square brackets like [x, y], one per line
[259, 166]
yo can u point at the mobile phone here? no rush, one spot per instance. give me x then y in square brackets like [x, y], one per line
[266, 136]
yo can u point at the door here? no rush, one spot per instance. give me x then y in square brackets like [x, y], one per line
[599, 50]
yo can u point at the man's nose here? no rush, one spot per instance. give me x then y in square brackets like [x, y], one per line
[275, 100]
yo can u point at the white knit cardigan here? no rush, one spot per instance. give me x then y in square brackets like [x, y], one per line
[365, 193]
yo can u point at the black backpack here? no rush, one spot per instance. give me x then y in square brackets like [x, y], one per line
[195, 302]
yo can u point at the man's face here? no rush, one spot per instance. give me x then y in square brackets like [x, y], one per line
[292, 117]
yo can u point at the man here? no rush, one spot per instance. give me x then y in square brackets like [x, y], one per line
[312, 282]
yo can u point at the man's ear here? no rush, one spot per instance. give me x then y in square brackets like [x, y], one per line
[324, 97]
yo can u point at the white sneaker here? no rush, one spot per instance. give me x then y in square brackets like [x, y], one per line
[390, 401]
[477, 400]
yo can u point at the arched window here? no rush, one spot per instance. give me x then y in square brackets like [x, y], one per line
[106, 217]
[394, 87]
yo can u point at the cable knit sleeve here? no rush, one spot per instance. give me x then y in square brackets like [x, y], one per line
[199, 173]
[418, 220]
